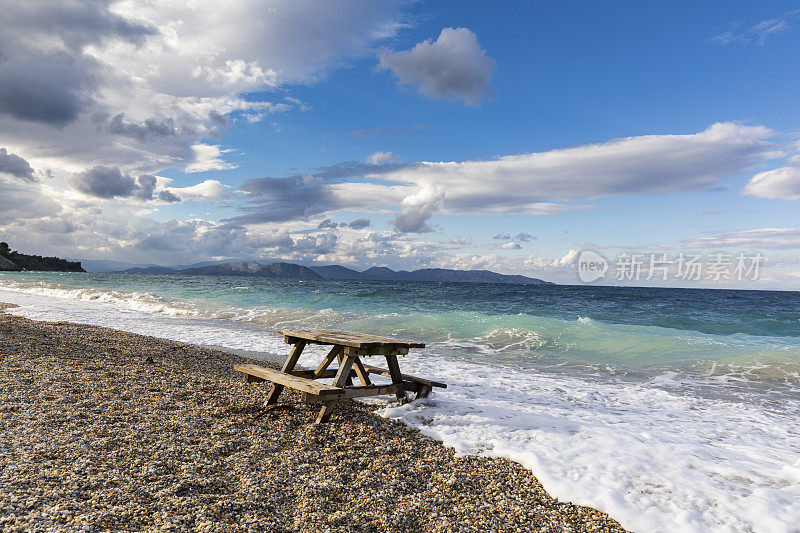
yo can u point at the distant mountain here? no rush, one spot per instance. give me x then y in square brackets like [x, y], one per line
[251, 268]
[337, 272]
[13, 260]
[425, 274]
[160, 269]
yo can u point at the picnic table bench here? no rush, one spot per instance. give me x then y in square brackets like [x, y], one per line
[347, 349]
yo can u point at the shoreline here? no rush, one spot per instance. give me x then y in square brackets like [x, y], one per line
[112, 430]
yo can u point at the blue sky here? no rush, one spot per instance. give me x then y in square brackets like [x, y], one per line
[504, 136]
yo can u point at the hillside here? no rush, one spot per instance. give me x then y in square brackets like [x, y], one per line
[425, 274]
[13, 260]
[251, 268]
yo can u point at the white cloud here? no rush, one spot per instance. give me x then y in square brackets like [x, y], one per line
[758, 32]
[533, 183]
[208, 157]
[510, 246]
[378, 158]
[453, 67]
[416, 209]
[761, 238]
[779, 184]
[205, 191]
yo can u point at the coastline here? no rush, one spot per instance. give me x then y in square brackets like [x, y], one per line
[111, 430]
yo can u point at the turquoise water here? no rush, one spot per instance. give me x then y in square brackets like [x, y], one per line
[752, 335]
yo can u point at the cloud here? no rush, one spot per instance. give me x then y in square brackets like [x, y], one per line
[140, 85]
[14, 165]
[359, 223]
[166, 196]
[330, 188]
[205, 191]
[208, 157]
[510, 246]
[761, 238]
[145, 185]
[45, 77]
[103, 182]
[758, 32]
[779, 184]
[417, 209]
[534, 183]
[22, 201]
[521, 237]
[142, 131]
[538, 183]
[281, 199]
[327, 223]
[111, 182]
[378, 158]
[454, 67]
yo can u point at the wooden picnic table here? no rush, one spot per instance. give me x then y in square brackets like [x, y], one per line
[347, 349]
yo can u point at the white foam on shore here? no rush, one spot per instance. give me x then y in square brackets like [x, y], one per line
[654, 459]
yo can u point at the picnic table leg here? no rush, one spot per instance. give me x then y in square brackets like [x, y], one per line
[397, 377]
[341, 361]
[288, 366]
[333, 354]
[339, 381]
[423, 391]
[363, 375]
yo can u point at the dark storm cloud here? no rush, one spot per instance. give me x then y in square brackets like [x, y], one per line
[166, 196]
[146, 185]
[50, 88]
[327, 223]
[16, 166]
[111, 182]
[142, 131]
[52, 84]
[359, 223]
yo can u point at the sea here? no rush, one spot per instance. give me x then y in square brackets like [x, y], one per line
[669, 409]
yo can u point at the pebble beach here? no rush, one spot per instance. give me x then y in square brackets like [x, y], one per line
[102, 430]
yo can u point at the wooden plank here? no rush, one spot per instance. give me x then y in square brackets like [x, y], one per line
[286, 380]
[353, 392]
[376, 350]
[363, 375]
[349, 380]
[333, 354]
[309, 374]
[345, 338]
[288, 366]
[339, 381]
[406, 377]
[397, 377]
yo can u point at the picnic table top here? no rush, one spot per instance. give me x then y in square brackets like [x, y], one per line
[347, 338]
